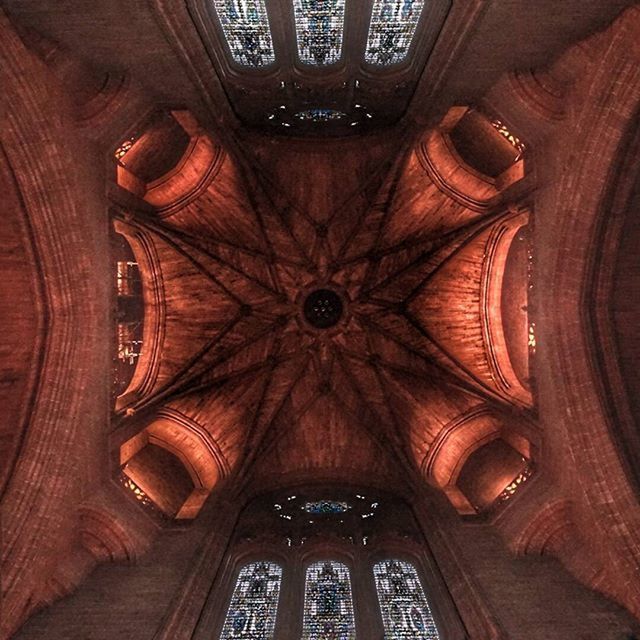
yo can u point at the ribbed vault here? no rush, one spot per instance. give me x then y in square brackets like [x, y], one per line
[364, 398]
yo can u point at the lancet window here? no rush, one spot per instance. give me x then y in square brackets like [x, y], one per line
[254, 603]
[403, 604]
[246, 28]
[319, 29]
[393, 25]
[328, 605]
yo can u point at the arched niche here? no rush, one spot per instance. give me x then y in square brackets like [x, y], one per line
[488, 471]
[505, 306]
[174, 462]
[129, 311]
[541, 91]
[472, 157]
[141, 375]
[477, 457]
[476, 307]
[168, 162]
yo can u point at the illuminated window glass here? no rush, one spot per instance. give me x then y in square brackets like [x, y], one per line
[512, 488]
[254, 604]
[328, 608]
[393, 23]
[123, 149]
[246, 28]
[514, 141]
[319, 25]
[320, 115]
[326, 506]
[405, 610]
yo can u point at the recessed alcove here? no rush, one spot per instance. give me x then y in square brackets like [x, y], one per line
[488, 471]
[516, 315]
[481, 145]
[157, 149]
[168, 161]
[129, 311]
[473, 156]
[173, 462]
[161, 476]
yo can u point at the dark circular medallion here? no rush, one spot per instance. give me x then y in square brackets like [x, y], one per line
[323, 308]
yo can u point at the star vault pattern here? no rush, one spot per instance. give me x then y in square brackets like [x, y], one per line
[237, 266]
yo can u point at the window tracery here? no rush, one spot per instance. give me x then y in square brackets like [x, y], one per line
[328, 605]
[319, 28]
[393, 25]
[403, 604]
[246, 28]
[254, 603]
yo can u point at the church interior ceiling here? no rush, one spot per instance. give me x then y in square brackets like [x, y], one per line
[368, 264]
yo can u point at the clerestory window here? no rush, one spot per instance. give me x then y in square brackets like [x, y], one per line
[328, 605]
[254, 603]
[391, 30]
[246, 28]
[403, 604]
[319, 28]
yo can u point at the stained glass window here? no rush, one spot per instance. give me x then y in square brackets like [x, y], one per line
[512, 488]
[326, 507]
[320, 115]
[328, 607]
[319, 26]
[514, 141]
[405, 610]
[246, 28]
[393, 24]
[254, 604]
[140, 495]
[123, 149]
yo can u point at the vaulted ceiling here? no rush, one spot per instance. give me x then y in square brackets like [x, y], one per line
[429, 228]
[409, 354]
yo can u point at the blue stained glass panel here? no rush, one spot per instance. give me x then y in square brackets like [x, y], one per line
[405, 611]
[393, 25]
[254, 604]
[328, 607]
[326, 507]
[246, 27]
[319, 27]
